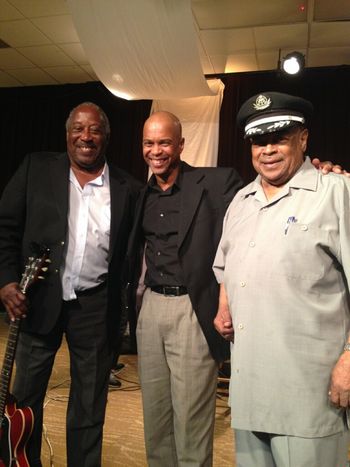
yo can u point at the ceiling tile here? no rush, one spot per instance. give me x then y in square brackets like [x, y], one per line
[59, 29]
[325, 10]
[90, 71]
[227, 40]
[36, 8]
[8, 12]
[11, 58]
[8, 81]
[46, 55]
[241, 62]
[213, 14]
[21, 33]
[69, 74]
[75, 52]
[218, 63]
[280, 37]
[267, 60]
[32, 76]
[329, 56]
[336, 34]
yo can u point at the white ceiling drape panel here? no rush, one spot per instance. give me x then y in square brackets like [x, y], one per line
[200, 124]
[141, 49]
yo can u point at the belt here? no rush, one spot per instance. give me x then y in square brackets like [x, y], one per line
[91, 291]
[170, 290]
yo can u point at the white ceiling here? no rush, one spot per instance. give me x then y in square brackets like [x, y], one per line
[233, 36]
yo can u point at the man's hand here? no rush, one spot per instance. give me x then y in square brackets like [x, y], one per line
[223, 320]
[339, 392]
[328, 166]
[223, 325]
[14, 301]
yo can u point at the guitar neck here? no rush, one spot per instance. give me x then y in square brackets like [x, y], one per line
[32, 269]
[8, 362]
[10, 352]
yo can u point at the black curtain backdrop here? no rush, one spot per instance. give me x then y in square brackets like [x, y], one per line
[327, 88]
[33, 119]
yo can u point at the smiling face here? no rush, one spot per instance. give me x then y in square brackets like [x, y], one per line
[162, 145]
[86, 138]
[277, 156]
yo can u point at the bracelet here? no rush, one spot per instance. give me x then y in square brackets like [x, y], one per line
[347, 347]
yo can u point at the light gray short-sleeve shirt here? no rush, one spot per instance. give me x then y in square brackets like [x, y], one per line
[285, 264]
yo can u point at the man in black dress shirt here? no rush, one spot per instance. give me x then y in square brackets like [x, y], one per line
[179, 220]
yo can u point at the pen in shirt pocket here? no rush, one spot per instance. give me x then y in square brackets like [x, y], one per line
[290, 220]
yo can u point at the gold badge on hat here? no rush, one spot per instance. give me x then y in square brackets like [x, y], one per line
[262, 102]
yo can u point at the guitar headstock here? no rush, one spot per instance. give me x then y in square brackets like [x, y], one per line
[36, 266]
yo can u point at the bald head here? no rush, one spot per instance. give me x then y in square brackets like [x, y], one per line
[162, 145]
[165, 119]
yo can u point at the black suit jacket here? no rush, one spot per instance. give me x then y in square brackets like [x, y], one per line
[34, 208]
[205, 196]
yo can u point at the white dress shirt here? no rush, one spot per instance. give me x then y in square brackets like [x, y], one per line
[89, 219]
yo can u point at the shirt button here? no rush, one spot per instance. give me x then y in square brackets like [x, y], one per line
[242, 284]
[240, 326]
[251, 244]
[304, 227]
[158, 253]
[62, 243]
[161, 274]
[264, 209]
[161, 214]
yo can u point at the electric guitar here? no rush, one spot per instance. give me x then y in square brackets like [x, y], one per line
[16, 425]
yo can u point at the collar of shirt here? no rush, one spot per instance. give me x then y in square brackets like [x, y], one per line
[101, 180]
[306, 178]
[153, 185]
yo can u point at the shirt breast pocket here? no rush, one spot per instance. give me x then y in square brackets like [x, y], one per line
[302, 253]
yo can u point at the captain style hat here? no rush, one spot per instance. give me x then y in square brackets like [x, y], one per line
[272, 111]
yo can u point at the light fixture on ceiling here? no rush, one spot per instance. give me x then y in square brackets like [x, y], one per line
[293, 63]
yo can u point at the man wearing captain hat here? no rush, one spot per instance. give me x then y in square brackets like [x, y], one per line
[283, 263]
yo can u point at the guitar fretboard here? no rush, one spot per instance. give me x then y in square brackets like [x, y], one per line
[7, 365]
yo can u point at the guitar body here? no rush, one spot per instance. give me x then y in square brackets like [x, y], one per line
[15, 433]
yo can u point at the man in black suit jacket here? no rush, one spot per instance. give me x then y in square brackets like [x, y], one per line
[179, 219]
[81, 208]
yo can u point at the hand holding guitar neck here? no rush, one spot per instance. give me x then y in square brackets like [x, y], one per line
[16, 424]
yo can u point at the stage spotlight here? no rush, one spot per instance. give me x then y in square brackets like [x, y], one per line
[293, 63]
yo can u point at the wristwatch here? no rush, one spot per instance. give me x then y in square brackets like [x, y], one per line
[347, 347]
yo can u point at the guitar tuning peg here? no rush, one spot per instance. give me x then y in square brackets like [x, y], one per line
[44, 269]
[47, 260]
[41, 277]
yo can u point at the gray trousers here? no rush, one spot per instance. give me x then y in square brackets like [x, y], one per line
[255, 449]
[178, 381]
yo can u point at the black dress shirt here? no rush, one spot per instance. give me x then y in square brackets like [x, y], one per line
[161, 220]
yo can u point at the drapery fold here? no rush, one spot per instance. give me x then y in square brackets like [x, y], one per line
[141, 49]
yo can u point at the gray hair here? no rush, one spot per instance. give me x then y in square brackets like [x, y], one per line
[103, 116]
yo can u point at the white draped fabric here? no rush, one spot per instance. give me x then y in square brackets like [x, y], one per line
[200, 123]
[141, 49]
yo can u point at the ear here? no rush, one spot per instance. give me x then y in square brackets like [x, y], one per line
[303, 139]
[182, 145]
